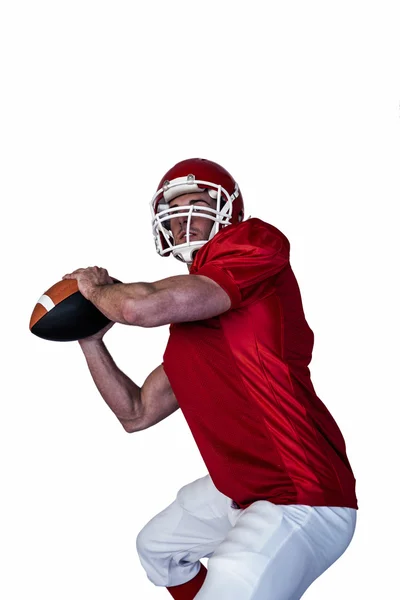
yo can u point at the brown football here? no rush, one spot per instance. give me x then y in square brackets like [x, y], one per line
[63, 314]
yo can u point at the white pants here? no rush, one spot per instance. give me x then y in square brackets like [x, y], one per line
[263, 552]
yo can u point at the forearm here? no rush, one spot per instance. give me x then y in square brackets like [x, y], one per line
[111, 299]
[120, 393]
[172, 300]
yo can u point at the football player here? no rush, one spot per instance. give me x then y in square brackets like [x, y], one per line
[278, 505]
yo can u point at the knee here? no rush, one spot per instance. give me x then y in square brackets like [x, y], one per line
[142, 540]
[151, 556]
[149, 542]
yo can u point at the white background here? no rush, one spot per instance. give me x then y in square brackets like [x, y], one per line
[300, 102]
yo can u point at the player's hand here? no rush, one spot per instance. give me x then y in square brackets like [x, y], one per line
[89, 278]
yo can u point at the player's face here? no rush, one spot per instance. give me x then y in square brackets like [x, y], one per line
[200, 227]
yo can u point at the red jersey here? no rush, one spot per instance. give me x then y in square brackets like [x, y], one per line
[243, 384]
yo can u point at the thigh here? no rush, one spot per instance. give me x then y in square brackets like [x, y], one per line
[275, 552]
[191, 527]
[205, 516]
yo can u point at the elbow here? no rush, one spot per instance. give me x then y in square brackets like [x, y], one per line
[135, 421]
[131, 426]
[141, 313]
[128, 426]
[129, 311]
[137, 310]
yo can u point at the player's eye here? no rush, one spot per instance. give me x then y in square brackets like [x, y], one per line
[198, 207]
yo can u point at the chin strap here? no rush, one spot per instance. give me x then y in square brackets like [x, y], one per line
[186, 255]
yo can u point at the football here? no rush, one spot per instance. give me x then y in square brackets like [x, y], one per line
[63, 314]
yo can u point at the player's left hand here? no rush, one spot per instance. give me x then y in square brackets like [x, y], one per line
[89, 278]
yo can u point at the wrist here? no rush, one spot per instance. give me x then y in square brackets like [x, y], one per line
[89, 291]
[88, 343]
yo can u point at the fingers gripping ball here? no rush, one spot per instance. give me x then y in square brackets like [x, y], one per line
[63, 314]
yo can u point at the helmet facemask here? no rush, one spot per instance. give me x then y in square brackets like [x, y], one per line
[162, 214]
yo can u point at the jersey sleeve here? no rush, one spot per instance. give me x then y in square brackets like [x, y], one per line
[242, 256]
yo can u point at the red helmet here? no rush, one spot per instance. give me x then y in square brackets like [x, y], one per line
[188, 176]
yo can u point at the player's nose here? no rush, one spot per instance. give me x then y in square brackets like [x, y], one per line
[182, 220]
